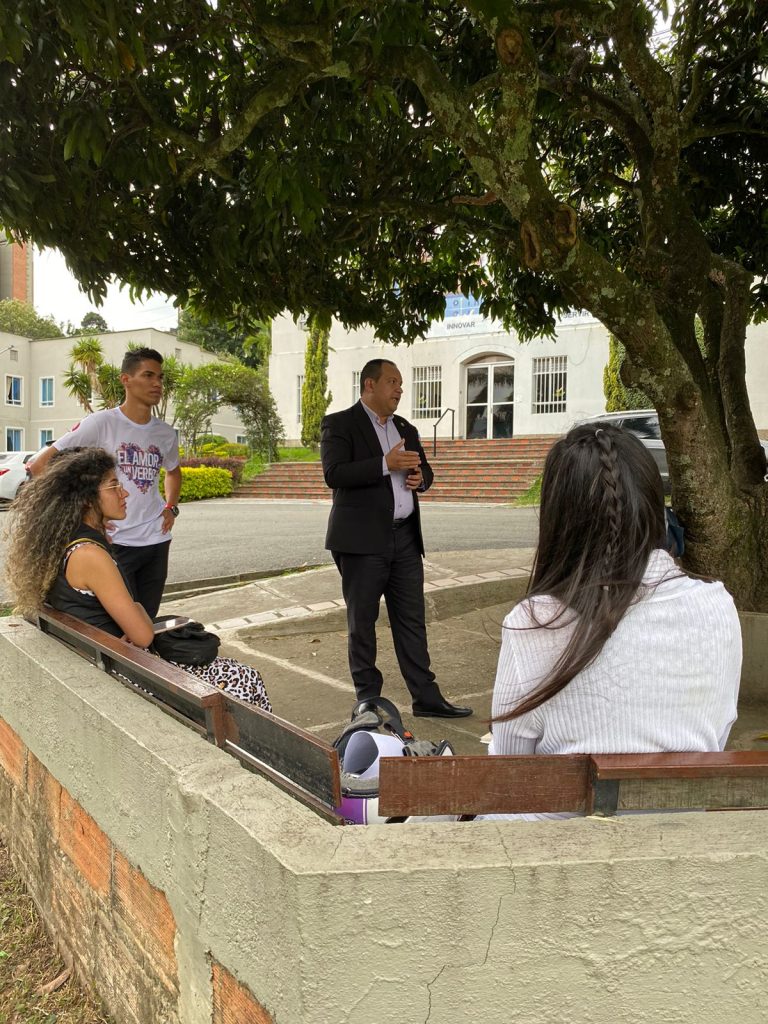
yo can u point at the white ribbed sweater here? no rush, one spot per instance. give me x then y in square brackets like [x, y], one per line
[667, 679]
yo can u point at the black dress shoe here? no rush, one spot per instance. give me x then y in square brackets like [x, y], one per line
[441, 709]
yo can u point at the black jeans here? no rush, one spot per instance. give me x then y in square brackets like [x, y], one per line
[398, 574]
[145, 568]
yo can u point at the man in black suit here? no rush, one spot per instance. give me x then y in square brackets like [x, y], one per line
[375, 464]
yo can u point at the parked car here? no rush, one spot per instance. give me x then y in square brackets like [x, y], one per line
[13, 473]
[645, 424]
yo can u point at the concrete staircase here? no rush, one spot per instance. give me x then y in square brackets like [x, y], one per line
[465, 471]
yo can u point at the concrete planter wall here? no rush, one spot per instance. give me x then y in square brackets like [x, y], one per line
[219, 898]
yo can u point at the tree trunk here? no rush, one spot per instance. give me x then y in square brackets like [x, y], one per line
[716, 467]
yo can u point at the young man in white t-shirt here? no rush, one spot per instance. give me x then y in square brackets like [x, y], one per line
[141, 445]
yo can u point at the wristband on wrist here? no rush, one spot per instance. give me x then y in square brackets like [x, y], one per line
[173, 509]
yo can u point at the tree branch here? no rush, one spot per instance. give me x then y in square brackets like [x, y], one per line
[653, 82]
[273, 96]
[599, 107]
[690, 15]
[747, 457]
[700, 88]
[722, 129]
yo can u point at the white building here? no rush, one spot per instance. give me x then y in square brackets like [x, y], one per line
[482, 380]
[36, 407]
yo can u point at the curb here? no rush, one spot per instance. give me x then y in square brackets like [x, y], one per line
[443, 599]
[193, 588]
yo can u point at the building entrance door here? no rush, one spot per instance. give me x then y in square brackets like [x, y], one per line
[490, 400]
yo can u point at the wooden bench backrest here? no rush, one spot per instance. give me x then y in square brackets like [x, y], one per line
[295, 760]
[580, 783]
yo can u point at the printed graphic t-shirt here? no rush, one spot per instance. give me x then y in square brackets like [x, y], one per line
[140, 450]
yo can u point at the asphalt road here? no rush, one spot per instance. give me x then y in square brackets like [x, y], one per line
[216, 538]
[230, 536]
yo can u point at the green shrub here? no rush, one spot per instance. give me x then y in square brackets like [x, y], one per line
[225, 451]
[234, 466]
[532, 496]
[202, 482]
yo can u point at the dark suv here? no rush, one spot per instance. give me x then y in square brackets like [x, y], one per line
[645, 424]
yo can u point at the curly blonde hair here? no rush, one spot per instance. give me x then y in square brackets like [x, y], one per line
[42, 519]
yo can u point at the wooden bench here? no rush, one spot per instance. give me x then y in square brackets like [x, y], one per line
[581, 783]
[308, 768]
[295, 760]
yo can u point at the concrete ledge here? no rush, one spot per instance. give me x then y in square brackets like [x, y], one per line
[442, 599]
[633, 920]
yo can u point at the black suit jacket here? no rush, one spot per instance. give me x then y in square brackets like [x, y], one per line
[363, 501]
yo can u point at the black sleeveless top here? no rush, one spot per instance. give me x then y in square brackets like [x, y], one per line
[86, 607]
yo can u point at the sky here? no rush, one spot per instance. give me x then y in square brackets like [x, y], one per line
[57, 294]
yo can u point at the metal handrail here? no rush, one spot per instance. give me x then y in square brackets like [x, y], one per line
[437, 424]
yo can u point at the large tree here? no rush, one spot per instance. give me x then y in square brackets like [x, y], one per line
[17, 317]
[359, 159]
[249, 343]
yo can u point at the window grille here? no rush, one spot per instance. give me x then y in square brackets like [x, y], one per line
[355, 385]
[427, 391]
[12, 392]
[299, 392]
[46, 391]
[550, 382]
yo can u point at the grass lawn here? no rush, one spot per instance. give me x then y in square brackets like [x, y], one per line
[532, 496]
[35, 987]
[257, 464]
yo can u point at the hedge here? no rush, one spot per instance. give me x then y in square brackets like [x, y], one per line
[235, 466]
[199, 482]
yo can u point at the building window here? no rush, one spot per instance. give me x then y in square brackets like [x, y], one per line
[427, 391]
[461, 305]
[46, 391]
[13, 355]
[46, 435]
[13, 393]
[299, 392]
[14, 439]
[550, 381]
[241, 439]
[355, 385]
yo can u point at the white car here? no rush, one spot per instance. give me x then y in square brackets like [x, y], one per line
[13, 473]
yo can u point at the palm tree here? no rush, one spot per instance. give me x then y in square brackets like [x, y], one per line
[173, 369]
[111, 390]
[81, 380]
[78, 385]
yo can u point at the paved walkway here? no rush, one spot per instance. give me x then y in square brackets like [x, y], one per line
[293, 628]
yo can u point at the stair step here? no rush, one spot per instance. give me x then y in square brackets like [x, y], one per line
[491, 472]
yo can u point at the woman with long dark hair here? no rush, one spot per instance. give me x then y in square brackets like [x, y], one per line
[59, 552]
[614, 649]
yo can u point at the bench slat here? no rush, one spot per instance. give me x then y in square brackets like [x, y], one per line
[189, 696]
[483, 785]
[286, 749]
[581, 783]
[688, 764]
[302, 764]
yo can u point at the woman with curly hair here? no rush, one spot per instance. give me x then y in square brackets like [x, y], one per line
[614, 649]
[59, 553]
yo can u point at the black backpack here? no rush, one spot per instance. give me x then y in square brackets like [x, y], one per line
[190, 644]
